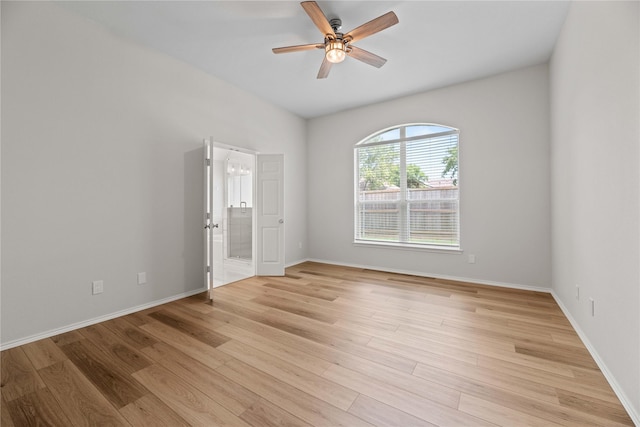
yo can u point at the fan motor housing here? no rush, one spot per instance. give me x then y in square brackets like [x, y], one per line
[336, 24]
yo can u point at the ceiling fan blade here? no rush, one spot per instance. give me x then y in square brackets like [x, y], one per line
[318, 18]
[372, 27]
[297, 48]
[366, 57]
[324, 69]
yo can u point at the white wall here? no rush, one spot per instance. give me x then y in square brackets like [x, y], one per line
[504, 179]
[101, 168]
[595, 114]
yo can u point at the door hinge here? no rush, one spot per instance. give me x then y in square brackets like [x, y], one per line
[208, 215]
[208, 162]
[208, 269]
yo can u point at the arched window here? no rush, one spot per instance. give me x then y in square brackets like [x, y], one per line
[407, 187]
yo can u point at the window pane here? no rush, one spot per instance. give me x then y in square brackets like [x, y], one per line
[389, 135]
[419, 130]
[379, 221]
[378, 169]
[434, 221]
[432, 161]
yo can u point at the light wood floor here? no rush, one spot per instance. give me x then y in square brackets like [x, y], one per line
[323, 346]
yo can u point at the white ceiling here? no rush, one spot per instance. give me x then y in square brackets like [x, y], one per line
[436, 44]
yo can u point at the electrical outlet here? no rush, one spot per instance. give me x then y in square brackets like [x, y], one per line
[142, 278]
[299, 245]
[471, 259]
[97, 287]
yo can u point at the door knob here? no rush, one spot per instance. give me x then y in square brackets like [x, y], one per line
[281, 221]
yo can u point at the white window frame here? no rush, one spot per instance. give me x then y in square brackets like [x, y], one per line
[403, 202]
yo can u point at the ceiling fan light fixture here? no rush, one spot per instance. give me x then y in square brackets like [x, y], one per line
[335, 51]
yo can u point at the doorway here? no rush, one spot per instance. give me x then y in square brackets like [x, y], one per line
[243, 214]
[231, 237]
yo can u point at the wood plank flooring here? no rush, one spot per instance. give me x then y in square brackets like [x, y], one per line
[323, 346]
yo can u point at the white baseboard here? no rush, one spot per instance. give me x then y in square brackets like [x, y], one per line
[89, 322]
[438, 276]
[626, 402]
[300, 261]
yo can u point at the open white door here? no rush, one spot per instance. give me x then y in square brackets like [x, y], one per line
[270, 215]
[208, 277]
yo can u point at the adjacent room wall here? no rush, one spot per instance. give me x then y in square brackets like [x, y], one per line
[504, 180]
[102, 169]
[595, 115]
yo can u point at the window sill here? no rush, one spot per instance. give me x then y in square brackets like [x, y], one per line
[408, 247]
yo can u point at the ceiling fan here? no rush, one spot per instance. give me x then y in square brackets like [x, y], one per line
[338, 45]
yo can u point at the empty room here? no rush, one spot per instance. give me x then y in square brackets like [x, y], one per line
[331, 213]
